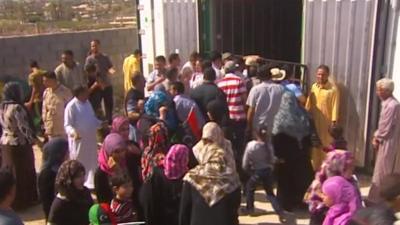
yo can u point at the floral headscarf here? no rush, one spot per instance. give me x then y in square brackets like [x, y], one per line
[154, 154]
[155, 101]
[117, 124]
[345, 200]
[336, 163]
[216, 175]
[176, 162]
[112, 143]
[291, 119]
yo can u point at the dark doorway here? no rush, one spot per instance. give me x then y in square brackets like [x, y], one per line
[270, 28]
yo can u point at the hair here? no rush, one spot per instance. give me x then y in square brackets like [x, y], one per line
[215, 56]
[262, 131]
[50, 75]
[209, 74]
[97, 41]
[194, 56]
[264, 72]
[171, 72]
[252, 71]
[376, 215]
[68, 52]
[386, 84]
[172, 57]
[91, 67]
[160, 59]
[178, 86]
[230, 66]
[238, 60]
[68, 171]
[324, 67]
[118, 180]
[205, 64]
[34, 64]
[390, 188]
[137, 52]
[7, 182]
[136, 75]
[79, 90]
[336, 131]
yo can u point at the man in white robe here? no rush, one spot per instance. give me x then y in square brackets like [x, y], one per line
[386, 140]
[81, 124]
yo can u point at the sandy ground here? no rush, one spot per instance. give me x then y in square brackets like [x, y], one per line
[264, 212]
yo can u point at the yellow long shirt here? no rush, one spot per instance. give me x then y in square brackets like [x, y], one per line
[131, 64]
[323, 104]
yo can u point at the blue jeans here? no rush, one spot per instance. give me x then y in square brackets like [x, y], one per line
[265, 177]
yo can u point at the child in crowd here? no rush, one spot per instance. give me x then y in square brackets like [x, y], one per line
[101, 214]
[390, 191]
[258, 161]
[338, 141]
[73, 201]
[342, 198]
[7, 196]
[121, 205]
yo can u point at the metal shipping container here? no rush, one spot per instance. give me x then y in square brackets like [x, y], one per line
[167, 26]
[341, 35]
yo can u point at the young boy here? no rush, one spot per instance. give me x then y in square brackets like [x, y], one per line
[7, 196]
[338, 142]
[121, 205]
[258, 161]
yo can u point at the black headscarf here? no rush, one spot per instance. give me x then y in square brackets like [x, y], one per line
[54, 153]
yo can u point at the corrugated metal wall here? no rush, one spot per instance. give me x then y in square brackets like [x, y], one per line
[340, 34]
[181, 29]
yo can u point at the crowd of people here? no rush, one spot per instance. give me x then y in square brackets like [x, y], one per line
[190, 142]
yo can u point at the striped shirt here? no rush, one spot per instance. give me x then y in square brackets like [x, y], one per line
[234, 88]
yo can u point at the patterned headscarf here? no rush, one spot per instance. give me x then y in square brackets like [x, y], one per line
[291, 118]
[117, 124]
[336, 163]
[345, 200]
[112, 143]
[215, 176]
[213, 132]
[155, 101]
[154, 154]
[176, 162]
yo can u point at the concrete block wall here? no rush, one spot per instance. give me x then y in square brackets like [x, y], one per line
[16, 52]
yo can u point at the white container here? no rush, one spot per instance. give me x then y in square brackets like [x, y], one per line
[167, 26]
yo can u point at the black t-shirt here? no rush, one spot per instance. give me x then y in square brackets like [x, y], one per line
[66, 212]
[206, 93]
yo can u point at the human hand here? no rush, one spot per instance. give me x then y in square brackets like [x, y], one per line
[163, 112]
[75, 135]
[160, 79]
[28, 105]
[375, 143]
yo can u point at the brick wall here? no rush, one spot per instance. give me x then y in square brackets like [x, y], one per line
[16, 52]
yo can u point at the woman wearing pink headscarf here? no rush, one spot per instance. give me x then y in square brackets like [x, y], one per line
[111, 160]
[160, 195]
[342, 198]
[337, 163]
[120, 125]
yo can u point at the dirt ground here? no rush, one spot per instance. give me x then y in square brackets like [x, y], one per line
[264, 212]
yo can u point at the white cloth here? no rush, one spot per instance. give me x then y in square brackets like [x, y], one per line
[79, 118]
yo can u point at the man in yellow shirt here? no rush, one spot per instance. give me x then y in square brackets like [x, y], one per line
[323, 104]
[131, 64]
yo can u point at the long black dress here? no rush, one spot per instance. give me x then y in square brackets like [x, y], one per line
[195, 211]
[294, 171]
[160, 199]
